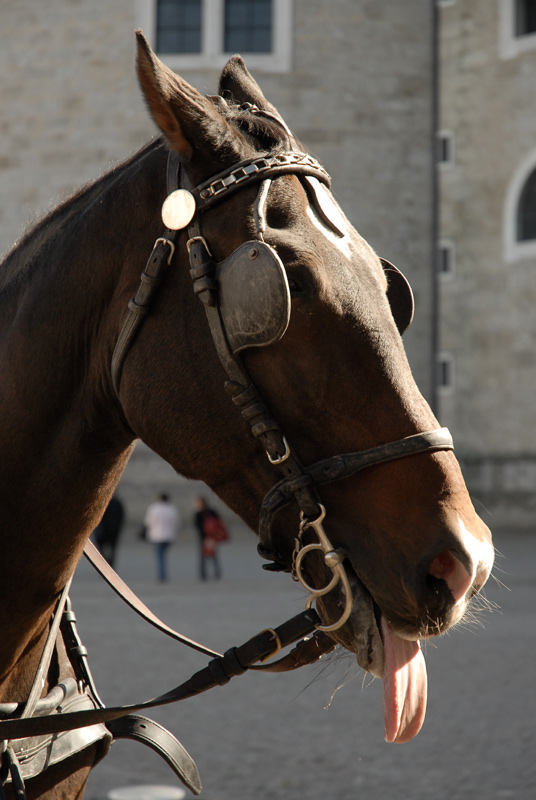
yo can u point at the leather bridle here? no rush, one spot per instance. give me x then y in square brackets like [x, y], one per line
[297, 482]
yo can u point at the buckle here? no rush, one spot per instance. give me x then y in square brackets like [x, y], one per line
[280, 459]
[163, 240]
[277, 647]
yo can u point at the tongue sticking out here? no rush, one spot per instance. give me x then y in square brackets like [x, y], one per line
[404, 686]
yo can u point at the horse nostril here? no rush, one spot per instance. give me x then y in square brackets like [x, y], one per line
[443, 565]
[448, 568]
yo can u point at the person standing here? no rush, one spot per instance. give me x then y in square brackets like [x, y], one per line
[107, 532]
[209, 539]
[162, 522]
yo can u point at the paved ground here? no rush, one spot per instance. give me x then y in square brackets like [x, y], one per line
[269, 737]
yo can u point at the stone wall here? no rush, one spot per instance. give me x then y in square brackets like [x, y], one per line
[69, 104]
[488, 319]
[487, 306]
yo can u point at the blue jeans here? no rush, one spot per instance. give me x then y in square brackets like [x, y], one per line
[161, 559]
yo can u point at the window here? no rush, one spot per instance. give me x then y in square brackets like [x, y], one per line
[525, 17]
[445, 373]
[446, 258]
[445, 148]
[517, 27]
[248, 26]
[194, 34]
[519, 212]
[526, 211]
[178, 26]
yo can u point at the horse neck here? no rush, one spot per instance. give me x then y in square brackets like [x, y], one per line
[64, 441]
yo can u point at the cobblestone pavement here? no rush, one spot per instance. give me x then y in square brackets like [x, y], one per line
[273, 737]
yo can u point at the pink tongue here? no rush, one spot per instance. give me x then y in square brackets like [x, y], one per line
[404, 686]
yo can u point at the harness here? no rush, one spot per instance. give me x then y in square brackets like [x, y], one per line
[246, 299]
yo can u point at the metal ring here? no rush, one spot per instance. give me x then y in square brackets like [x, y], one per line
[347, 607]
[337, 568]
[297, 566]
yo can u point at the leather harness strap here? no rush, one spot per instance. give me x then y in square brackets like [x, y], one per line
[138, 307]
[297, 482]
[125, 593]
[306, 652]
[219, 671]
[340, 467]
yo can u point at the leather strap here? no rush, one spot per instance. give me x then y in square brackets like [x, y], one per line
[223, 184]
[148, 732]
[306, 652]
[343, 466]
[243, 393]
[139, 306]
[150, 280]
[44, 663]
[218, 672]
[125, 593]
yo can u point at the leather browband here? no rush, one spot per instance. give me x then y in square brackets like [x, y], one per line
[223, 184]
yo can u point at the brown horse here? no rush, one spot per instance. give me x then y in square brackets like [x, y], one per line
[329, 365]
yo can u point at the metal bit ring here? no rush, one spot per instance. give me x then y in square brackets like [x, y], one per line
[333, 559]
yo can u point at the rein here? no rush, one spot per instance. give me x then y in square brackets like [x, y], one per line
[31, 723]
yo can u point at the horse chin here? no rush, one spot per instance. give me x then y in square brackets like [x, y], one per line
[361, 633]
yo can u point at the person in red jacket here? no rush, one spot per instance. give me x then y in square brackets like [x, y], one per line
[209, 526]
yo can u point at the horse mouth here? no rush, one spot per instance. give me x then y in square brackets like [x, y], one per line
[397, 661]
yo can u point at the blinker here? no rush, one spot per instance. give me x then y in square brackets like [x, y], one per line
[399, 295]
[254, 296]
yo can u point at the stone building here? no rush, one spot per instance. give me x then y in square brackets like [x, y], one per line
[366, 85]
[487, 238]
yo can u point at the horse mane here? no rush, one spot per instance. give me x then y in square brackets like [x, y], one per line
[16, 266]
[265, 132]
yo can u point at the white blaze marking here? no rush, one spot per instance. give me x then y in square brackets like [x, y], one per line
[342, 244]
[481, 552]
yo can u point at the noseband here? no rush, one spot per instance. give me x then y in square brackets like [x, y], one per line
[253, 277]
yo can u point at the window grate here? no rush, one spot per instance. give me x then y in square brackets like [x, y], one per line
[178, 26]
[248, 26]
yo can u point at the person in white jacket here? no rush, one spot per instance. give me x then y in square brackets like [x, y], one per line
[162, 523]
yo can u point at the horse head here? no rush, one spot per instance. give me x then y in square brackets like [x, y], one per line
[307, 322]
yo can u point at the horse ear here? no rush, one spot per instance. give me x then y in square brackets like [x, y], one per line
[187, 119]
[237, 81]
